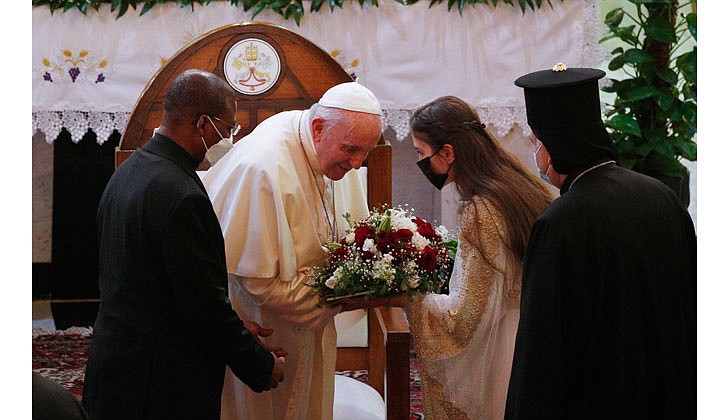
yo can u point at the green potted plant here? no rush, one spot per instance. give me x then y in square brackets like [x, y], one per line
[653, 117]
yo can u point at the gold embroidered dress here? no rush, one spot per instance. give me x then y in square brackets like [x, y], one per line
[465, 340]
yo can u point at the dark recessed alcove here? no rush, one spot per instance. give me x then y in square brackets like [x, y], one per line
[80, 173]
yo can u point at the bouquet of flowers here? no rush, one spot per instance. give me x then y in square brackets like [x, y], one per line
[388, 253]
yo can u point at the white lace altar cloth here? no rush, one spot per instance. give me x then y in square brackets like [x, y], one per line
[89, 71]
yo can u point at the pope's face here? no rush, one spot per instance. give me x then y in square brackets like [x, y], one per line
[343, 147]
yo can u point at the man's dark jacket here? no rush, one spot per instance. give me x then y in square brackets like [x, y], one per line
[165, 328]
[608, 305]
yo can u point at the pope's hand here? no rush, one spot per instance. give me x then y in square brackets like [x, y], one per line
[276, 375]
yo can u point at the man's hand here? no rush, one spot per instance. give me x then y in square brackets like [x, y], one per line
[276, 375]
[258, 332]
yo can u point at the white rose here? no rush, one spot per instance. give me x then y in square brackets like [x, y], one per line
[332, 281]
[419, 241]
[403, 221]
[442, 231]
[350, 237]
[369, 245]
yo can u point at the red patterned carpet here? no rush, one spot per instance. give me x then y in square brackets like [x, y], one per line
[61, 356]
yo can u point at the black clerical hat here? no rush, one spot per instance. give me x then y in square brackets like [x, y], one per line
[564, 112]
[562, 98]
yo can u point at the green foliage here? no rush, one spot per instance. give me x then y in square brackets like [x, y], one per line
[285, 8]
[653, 119]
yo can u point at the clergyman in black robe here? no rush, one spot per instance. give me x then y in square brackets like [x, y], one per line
[608, 309]
[165, 329]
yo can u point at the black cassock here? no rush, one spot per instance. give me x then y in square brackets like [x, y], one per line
[608, 305]
[165, 328]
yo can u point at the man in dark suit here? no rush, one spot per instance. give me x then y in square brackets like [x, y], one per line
[608, 302]
[165, 328]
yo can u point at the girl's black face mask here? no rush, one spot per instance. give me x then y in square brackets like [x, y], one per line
[438, 180]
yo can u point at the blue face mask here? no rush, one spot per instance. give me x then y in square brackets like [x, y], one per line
[535, 162]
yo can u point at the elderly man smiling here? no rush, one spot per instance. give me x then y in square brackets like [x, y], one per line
[278, 205]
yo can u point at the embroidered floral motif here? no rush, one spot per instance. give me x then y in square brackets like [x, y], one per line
[349, 66]
[81, 67]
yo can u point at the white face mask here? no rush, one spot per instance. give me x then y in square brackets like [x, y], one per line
[219, 149]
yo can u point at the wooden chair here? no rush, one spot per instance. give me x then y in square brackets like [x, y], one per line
[304, 74]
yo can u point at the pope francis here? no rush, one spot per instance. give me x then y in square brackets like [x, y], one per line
[279, 195]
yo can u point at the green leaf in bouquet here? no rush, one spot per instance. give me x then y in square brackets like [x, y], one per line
[347, 217]
[386, 224]
[452, 247]
[333, 245]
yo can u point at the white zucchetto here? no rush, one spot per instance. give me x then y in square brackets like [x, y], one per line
[351, 96]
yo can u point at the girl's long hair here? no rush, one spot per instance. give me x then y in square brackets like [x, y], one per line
[483, 168]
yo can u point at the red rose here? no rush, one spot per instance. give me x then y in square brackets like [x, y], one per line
[339, 254]
[405, 252]
[408, 249]
[425, 229]
[404, 235]
[427, 259]
[361, 234]
[386, 241]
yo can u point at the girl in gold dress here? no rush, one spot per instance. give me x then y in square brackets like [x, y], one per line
[464, 340]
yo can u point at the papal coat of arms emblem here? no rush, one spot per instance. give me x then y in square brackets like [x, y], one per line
[252, 66]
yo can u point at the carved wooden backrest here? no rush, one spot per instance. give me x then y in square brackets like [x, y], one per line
[305, 73]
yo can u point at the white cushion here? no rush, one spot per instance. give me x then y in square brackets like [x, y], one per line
[355, 400]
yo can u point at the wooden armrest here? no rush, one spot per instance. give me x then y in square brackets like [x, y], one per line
[389, 337]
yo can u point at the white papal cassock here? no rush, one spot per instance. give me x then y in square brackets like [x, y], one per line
[269, 193]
